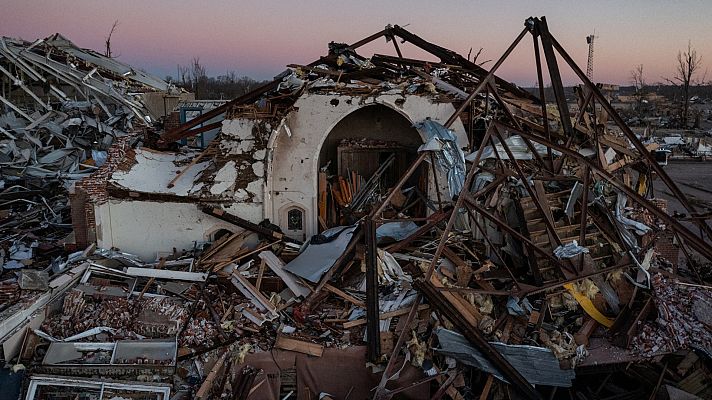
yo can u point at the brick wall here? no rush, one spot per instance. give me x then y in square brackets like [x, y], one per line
[172, 121]
[665, 244]
[92, 190]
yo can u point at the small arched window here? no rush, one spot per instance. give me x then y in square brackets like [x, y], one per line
[219, 234]
[295, 219]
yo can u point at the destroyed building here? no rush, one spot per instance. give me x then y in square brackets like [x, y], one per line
[63, 108]
[374, 227]
[271, 159]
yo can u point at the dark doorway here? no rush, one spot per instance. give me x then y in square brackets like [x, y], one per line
[357, 148]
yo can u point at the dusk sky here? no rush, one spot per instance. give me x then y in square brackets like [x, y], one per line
[258, 38]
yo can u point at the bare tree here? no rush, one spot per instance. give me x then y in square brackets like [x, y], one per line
[688, 64]
[183, 75]
[638, 80]
[199, 77]
[108, 38]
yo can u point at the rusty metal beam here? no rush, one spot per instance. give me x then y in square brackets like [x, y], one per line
[183, 131]
[630, 135]
[473, 335]
[433, 221]
[219, 213]
[584, 105]
[493, 247]
[511, 231]
[542, 30]
[623, 263]
[695, 241]
[368, 39]
[413, 167]
[458, 203]
[373, 331]
[450, 57]
[542, 96]
[383, 58]
[584, 212]
[381, 391]
[483, 83]
[395, 45]
[509, 114]
[204, 128]
[537, 198]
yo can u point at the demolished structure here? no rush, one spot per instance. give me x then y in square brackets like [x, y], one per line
[62, 108]
[374, 228]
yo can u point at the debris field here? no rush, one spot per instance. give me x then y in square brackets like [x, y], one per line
[449, 235]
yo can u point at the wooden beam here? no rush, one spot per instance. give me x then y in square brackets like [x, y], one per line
[277, 266]
[300, 346]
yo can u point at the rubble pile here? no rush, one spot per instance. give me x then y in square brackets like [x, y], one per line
[529, 268]
[62, 108]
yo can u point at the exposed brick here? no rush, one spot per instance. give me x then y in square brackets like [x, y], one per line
[91, 191]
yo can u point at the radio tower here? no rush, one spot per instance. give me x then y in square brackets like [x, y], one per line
[589, 67]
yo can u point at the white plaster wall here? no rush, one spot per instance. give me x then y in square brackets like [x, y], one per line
[238, 139]
[146, 228]
[293, 160]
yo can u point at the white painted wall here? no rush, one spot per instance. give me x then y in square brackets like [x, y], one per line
[146, 228]
[293, 160]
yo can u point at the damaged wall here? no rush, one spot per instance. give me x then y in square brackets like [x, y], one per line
[257, 169]
[293, 160]
[146, 228]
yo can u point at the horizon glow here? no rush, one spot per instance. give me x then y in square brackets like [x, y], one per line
[258, 39]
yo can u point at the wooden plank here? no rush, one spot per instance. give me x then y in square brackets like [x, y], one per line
[486, 389]
[450, 391]
[464, 268]
[208, 151]
[241, 255]
[467, 310]
[300, 346]
[544, 202]
[246, 288]
[322, 196]
[344, 295]
[225, 248]
[161, 263]
[206, 387]
[277, 266]
[260, 274]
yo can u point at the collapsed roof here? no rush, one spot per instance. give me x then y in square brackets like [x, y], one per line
[59, 102]
[541, 258]
[55, 72]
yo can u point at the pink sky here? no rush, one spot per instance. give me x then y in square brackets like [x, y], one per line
[258, 38]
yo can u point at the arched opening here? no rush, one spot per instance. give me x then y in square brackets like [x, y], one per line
[219, 234]
[363, 156]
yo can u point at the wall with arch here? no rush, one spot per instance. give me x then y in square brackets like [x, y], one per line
[274, 165]
[293, 153]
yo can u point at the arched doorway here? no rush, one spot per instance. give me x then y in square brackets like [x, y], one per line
[364, 154]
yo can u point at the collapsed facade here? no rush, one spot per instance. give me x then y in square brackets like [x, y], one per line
[267, 161]
[428, 219]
